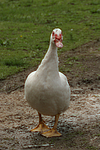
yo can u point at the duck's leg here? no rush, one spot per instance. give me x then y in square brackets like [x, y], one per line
[41, 127]
[53, 132]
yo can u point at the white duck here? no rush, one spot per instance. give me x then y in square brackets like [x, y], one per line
[46, 89]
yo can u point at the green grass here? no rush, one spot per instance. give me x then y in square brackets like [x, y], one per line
[25, 27]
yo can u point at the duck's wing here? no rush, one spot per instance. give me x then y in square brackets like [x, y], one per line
[63, 79]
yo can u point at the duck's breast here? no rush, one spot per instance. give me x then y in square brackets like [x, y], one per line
[46, 95]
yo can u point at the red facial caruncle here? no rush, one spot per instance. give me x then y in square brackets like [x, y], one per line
[57, 39]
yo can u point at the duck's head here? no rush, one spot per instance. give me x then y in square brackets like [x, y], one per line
[57, 37]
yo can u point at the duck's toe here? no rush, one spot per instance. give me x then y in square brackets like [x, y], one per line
[51, 133]
[42, 127]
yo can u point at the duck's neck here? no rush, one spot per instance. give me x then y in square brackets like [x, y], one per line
[50, 61]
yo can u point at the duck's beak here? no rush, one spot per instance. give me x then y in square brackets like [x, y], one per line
[59, 44]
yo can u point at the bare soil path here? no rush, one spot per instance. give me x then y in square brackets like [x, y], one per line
[79, 125]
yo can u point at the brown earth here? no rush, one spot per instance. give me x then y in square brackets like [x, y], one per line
[79, 125]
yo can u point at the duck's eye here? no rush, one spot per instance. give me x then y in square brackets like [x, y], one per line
[53, 33]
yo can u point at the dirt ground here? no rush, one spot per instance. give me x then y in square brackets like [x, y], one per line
[79, 125]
